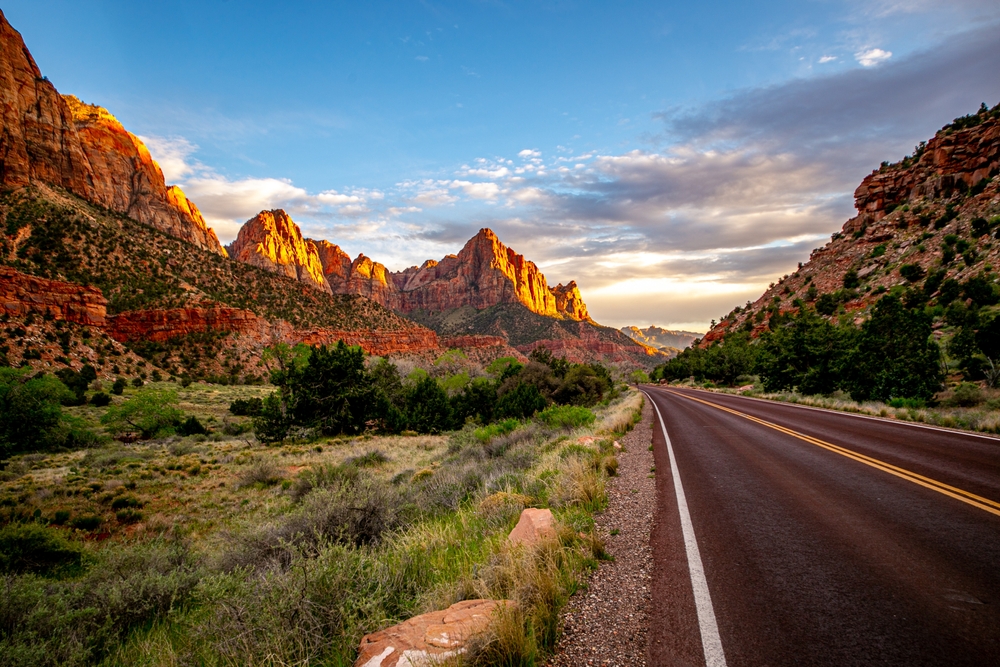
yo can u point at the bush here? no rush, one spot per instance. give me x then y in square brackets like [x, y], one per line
[264, 473]
[247, 407]
[967, 395]
[428, 408]
[119, 386]
[151, 413]
[490, 431]
[31, 547]
[521, 403]
[851, 279]
[568, 417]
[100, 400]
[191, 426]
[31, 417]
[86, 522]
[912, 272]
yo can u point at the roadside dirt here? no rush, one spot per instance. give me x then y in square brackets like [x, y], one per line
[607, 623]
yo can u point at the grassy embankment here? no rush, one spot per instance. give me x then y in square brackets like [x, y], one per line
[969, 409]
[217, 550]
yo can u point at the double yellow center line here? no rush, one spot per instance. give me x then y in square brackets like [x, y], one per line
[986, 504]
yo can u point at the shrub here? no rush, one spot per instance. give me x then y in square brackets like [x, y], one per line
[247, 407]
[100, 399]
[490, 431]
[119, 386]
[521, 403]
[912, 272]
[122, 502]
[31, 415]
[264, 473]
[369, 459]
[966, 395]
[851, 279]
[128, 516]
[428, 409]
[191, 426]
[86, 522]
[30, 547]
[568, 417]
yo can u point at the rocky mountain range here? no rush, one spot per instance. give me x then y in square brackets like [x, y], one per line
[487, 289]
[102, 262]
[663, 339]
[933, 211]
[59, 140]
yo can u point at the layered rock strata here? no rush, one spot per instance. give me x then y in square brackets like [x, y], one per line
[21, 294]
[55, 139]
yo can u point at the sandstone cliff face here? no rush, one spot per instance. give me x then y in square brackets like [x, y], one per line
[483, 274]
[906, 213]
[272, 241]
[59, 140]
[21, 294]
[951, 160]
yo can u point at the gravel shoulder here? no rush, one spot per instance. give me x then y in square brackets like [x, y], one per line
[607, 623]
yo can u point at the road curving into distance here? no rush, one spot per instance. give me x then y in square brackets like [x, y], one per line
[793, 536]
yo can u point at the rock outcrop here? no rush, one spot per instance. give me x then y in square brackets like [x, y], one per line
[21, 294]
[936, 209]
[272, 241]
[955, 159]
[484, 273]
[58, 140]
[428, 639]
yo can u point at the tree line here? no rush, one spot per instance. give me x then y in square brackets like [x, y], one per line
[890, 356]
[330, 390]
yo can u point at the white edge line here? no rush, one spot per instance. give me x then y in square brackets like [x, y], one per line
[898, 422]
[711, 643]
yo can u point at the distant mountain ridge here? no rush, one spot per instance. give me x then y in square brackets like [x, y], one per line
[484, 273]
[487, 289]
[59, 140]
[664, 339]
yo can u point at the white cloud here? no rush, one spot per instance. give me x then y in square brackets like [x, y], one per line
[172, 154]
[529, 153]
[422, 59]
[827, 59]
[872, 57]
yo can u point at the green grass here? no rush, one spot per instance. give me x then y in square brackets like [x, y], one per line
[329, 540]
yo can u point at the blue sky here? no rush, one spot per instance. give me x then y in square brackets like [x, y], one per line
[672, 158]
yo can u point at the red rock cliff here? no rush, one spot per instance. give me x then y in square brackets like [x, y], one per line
[59, 140]
[272, 241]
[21, 294]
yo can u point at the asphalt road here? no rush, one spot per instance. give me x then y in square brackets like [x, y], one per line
[820, 538]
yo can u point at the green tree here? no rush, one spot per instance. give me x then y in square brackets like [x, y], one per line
[31, 416]
[520, 403]
[895, 356]
[428, 408]
[808, 354]
[476, 401]
[151, 412]
[331, 392]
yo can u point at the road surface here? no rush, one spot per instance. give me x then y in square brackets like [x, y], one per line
[807, 537]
